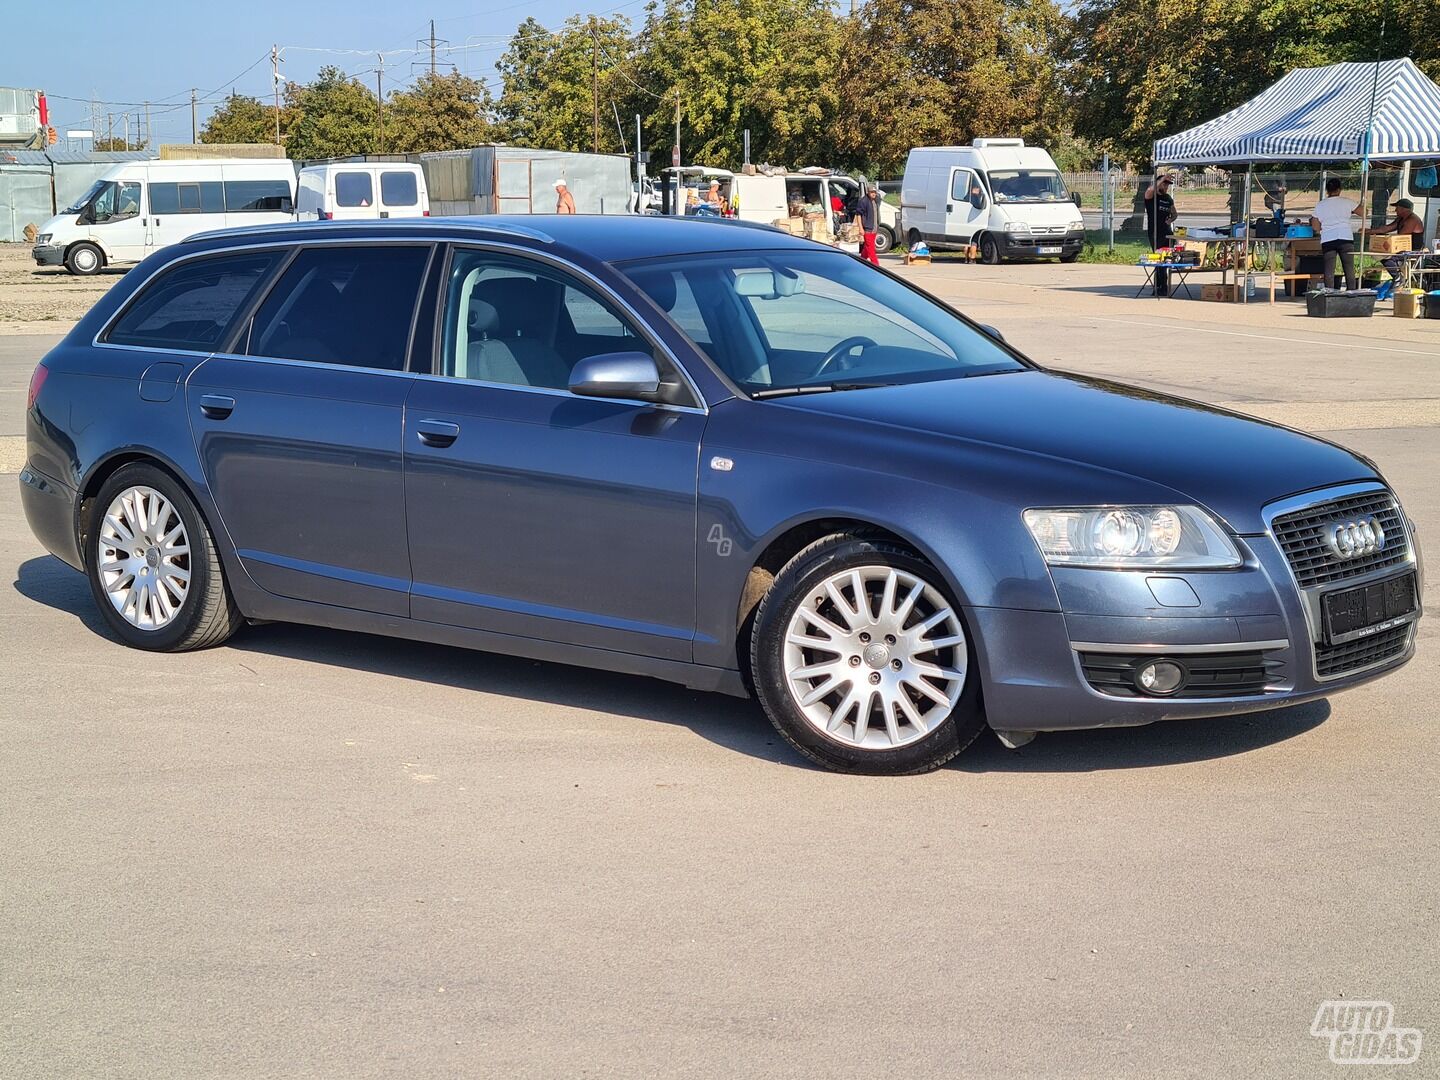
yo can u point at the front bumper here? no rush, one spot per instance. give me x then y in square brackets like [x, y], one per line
[48, 255]
[1030, 245]
[1032, 663]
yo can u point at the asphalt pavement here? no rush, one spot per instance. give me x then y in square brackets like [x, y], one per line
[310, 853]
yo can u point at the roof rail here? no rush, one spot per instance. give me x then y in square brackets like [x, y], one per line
[428, 224]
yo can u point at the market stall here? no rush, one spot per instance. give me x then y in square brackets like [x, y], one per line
[1384, 113]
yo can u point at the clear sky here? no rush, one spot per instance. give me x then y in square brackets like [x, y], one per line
[149, 50]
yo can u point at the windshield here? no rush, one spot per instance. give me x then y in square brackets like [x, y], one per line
[1028, 185]
[84, 200]
[781, 320]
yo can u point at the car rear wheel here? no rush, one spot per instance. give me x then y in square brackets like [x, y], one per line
[152, 565]
[84, 259]
[861, 659]
[884, 240]
[989, 250]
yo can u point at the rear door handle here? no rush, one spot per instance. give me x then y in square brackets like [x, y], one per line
[439, 433]
[217, 406]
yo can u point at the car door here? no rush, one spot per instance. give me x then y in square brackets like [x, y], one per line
[116, 221]
[354, 195]
[966, 207]
[534, 511]
[299, 429]
[181, 208]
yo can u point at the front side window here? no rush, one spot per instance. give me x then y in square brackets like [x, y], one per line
[193, 306]
[399, 188]
[1028, 185]
[115, 200]
[343, 305]
[256, 196]
[353, 189]
[966, 187]
[778, 320]
[518, 323]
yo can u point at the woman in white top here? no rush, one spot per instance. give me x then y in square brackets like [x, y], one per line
[1332, 221]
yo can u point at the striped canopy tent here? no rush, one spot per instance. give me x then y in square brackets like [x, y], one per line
[1321, 114]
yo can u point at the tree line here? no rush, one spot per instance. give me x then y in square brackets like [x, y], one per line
[814, 85]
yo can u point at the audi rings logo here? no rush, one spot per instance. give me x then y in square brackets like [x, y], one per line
[1354, 539]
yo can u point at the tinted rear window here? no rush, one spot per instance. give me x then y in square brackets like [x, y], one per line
[185, 197]
[192, 306]
[257, 195]
[354, 189]
[399, 189]
[343, 305]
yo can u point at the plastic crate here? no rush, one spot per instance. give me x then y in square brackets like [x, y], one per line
[1341, 304]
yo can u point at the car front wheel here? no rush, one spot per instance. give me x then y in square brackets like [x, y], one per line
[884, 240]
[989, 250]
[84, 259]
[152, 565]
[861, 659]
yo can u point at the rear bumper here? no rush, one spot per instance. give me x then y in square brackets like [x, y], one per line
[50, 509]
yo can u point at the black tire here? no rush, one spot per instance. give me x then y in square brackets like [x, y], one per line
[207, 615]
[1075, 257]
[84, 259]
[989, 250]
[804, 573]
[884, 240]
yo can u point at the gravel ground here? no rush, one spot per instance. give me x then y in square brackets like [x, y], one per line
[44, 299]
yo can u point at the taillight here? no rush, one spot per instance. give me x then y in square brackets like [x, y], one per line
[424, 213]
[326, 215]
[36, 382]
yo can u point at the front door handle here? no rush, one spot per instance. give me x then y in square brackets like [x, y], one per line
[217, 406]
[438, 433]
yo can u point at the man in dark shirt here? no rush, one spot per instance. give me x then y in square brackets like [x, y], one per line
[867, 216]
[1159, 218]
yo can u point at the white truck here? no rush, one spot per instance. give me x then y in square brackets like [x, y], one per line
[1006, 198]
[140, 206]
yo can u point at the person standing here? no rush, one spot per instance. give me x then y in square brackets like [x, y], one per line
[1331, 220]
[1159, 222]
[867, 216]
[564, 201]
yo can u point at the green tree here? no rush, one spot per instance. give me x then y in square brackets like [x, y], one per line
[441, 112]
[924, 72]
[240, 119]
[335, 116]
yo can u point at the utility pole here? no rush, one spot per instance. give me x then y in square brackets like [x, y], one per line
[595, 77]
[432, 48]
[148, 139]
[125, 128]
[675, 154]
[275, 75]
[109, 130]
[194, 118]
[380, 101]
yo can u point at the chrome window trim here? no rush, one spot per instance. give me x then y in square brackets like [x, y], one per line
[1310, 598]
[550, 391]
[285, 361]
[1157, 649]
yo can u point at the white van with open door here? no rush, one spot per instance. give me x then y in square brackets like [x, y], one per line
[999, 194]
[361, 191]
[141, 206]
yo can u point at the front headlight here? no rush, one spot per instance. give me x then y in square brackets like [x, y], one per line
[1132, 538]
[1017, 226]
[43, 238]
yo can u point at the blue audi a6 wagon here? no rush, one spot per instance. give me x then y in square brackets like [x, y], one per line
[705, 452]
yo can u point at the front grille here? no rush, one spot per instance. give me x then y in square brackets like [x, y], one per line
[1365, 652]
[1313, 563]
[1212, 675]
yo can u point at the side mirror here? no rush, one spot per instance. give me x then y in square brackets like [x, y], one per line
[616, 375]
[1076, 196]
[993, 332]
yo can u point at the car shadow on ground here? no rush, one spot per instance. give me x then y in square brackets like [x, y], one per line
[733, 723]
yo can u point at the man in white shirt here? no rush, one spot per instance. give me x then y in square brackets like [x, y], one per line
[1337, 238]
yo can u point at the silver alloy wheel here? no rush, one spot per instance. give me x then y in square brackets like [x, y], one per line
[86, 259]
[875, 657]
[144, 558]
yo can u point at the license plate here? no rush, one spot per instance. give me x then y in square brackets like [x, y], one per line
[1368, 609]
[1050, 250]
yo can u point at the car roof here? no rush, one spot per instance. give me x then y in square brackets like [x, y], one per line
[583, 237]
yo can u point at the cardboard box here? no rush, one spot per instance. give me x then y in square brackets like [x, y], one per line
[1305, 246]
[1390, 244]
[1409, 304]
[789, 225]
[1224, 293]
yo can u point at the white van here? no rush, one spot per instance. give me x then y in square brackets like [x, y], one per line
[762, 198]
[361, 191]
[140, 206]
[1004, 196]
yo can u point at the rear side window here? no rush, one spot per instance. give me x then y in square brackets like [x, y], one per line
[354, 189]
[193, 306]
[206, 197]
[257, 195]
[343, 305]
[399, 189]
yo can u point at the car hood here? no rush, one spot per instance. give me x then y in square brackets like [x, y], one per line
[1229, 463]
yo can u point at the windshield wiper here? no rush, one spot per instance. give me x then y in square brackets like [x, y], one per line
[818, 388]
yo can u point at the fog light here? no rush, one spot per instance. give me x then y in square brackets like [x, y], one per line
[1160, 677]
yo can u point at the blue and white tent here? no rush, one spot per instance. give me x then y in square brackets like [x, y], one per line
[1321, 114]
